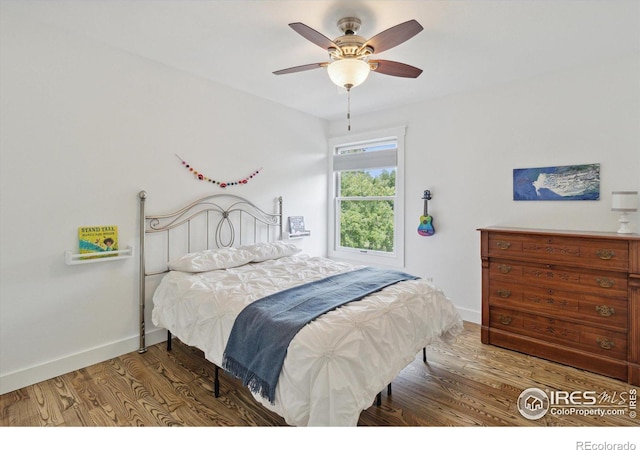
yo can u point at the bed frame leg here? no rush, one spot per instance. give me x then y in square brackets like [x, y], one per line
[379, 396]
[168, 340]
[216, 383]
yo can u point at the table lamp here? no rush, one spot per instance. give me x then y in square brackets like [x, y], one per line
[625, 202]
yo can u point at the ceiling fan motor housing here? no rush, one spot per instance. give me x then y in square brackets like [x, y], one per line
[350, 45]
[349, 25]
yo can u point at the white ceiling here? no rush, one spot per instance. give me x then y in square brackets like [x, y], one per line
[465, 44]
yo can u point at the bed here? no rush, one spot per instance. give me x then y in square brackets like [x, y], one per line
[337, 364]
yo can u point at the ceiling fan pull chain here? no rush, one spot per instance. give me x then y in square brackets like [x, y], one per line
[348, 109]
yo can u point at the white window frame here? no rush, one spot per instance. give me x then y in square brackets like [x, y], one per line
[395, 259]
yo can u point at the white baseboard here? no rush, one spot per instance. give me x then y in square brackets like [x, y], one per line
[26, 377]
[470, 315]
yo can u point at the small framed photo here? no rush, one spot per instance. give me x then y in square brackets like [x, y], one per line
[296, 226]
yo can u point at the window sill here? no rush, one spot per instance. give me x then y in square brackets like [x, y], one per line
[367, 258]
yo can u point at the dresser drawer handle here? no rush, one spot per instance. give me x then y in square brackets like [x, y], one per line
[605, 253]
[605, 310]
[505, 320]
[605, 343]
[503, 293]
[605, 282]
[504, 268]
[503, 245]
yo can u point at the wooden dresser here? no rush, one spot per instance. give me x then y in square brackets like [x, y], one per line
[569, 297]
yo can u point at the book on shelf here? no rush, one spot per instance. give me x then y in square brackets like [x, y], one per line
[98, 239]
[296, 227]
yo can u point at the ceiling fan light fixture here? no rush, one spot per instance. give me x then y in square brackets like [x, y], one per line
[348, 72]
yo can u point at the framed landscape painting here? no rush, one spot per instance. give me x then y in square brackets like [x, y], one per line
[580, 182]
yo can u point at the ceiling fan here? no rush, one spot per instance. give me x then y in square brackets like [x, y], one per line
[349, 54]
[349, 62]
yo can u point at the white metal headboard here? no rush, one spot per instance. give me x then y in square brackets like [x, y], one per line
[224, 220]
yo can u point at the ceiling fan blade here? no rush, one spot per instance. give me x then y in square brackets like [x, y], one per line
[395, 69]
[300, 68]
[312, 35]
[393, 36]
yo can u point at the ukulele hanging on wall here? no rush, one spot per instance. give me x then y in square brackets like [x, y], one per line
[426, 221]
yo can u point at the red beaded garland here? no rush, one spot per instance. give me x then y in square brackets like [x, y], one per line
[222, 184]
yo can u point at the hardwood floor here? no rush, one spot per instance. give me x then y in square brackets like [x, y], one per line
[466, 384]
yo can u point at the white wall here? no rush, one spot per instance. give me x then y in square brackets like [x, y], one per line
[464, 149]
[84, 128]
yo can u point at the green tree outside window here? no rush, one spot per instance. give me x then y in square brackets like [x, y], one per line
[367, 222]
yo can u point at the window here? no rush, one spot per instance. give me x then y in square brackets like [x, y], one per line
[367, 198]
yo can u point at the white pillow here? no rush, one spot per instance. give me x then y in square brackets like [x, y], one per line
[264, 251]
[213, 259]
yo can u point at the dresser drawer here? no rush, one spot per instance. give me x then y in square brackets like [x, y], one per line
[597, 310]
[587, 338]
[599, 282]
[584, 252]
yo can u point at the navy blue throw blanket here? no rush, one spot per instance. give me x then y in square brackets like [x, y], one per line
[263, 330]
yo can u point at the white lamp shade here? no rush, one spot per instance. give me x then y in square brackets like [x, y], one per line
[348, 72]
[624, 201]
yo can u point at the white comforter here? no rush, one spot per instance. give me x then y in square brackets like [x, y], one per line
[336, 365]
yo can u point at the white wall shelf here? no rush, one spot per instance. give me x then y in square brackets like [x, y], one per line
[79, 258]
[299, 235]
